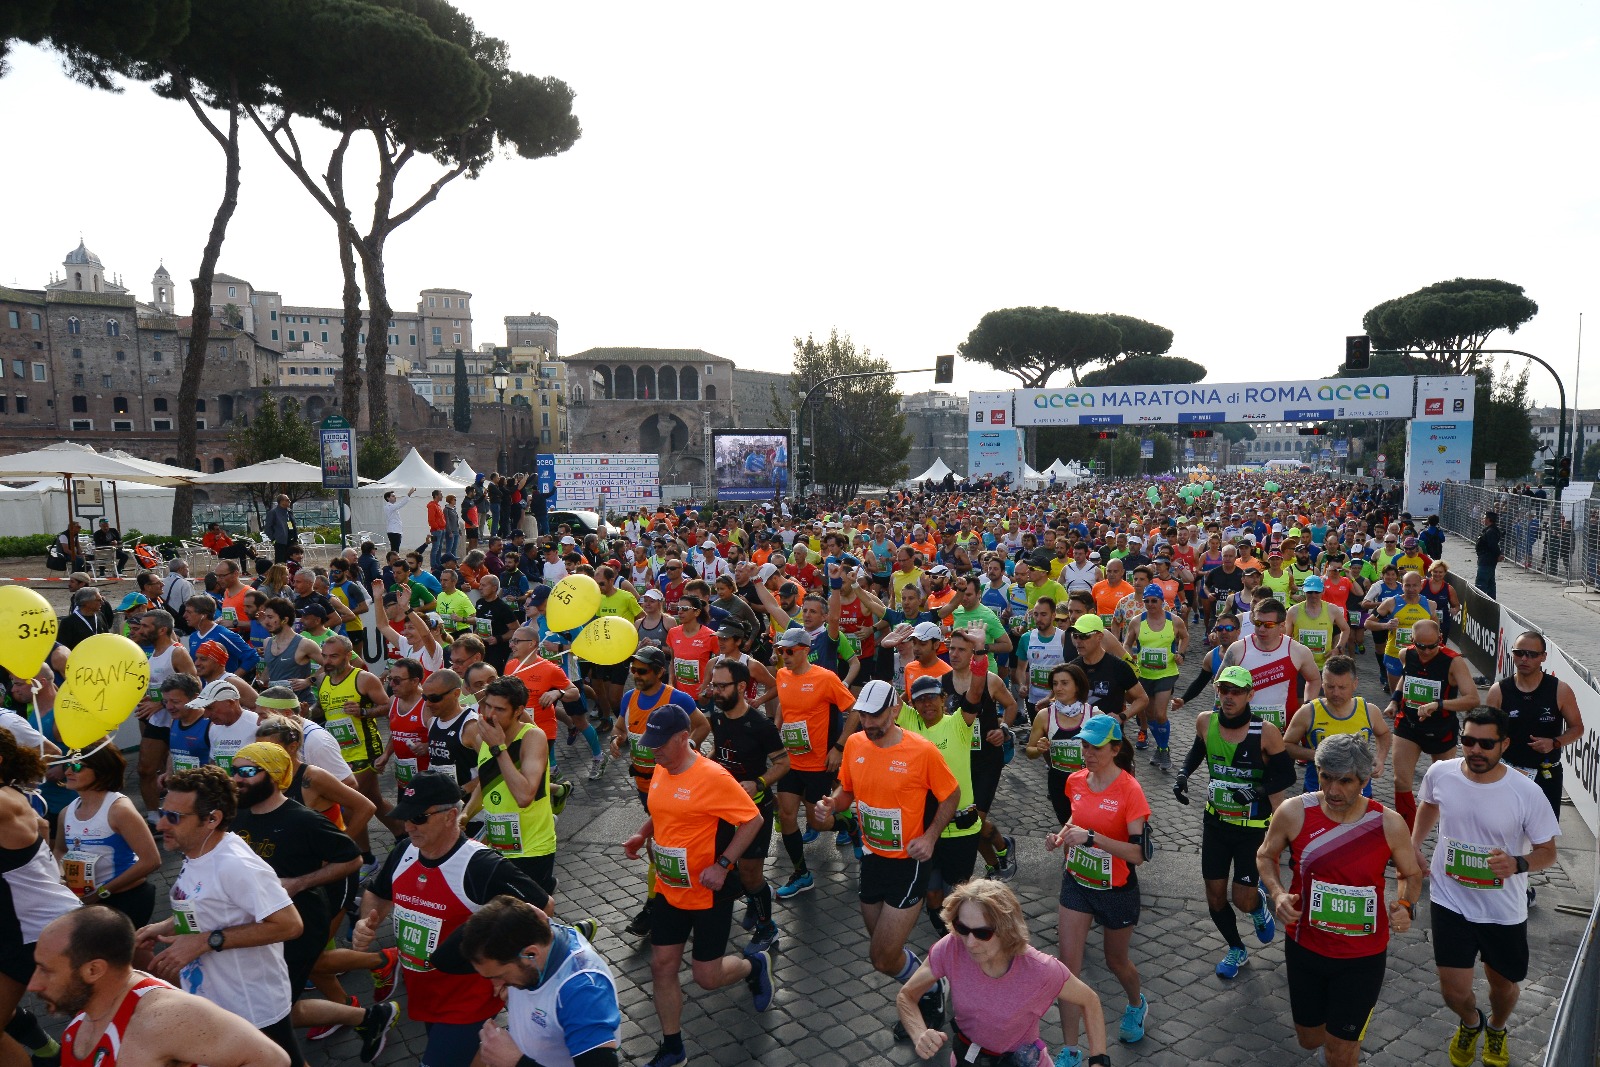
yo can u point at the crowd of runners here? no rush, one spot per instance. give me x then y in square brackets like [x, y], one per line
[867, 671]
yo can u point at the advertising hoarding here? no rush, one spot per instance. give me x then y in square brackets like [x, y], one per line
[628, 482]
[994, 447]
[1316, 400]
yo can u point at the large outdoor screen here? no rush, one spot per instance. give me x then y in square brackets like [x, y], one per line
[750, 464]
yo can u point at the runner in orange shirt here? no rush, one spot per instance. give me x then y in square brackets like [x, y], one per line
[813, 735]
[692, 644]
[701, 821]
[888, 774]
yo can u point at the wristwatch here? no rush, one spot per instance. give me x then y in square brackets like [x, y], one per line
[216, 940]
[1088, 842]
[724, 862]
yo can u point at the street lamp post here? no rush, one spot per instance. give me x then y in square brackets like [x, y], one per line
[501, 379]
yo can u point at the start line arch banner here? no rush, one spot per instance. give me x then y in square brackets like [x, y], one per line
[1318, 400]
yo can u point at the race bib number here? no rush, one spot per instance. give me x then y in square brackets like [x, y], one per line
[1420, 691]
[671, 864]
[182, 761]
[1153, 659]
[343, 729]
[644, 759]
[1039, 677]
[686, 671]
[446, 768]
[77, 870]
[1066, 755]
[1354, 615]
[230, 616]
[1089, 867]
[184, 921]
[796, 737]
[485, 627]
[1402, 636]
[1225, 804]
[1016, 624]
[977, 736]
[1346, 910]
[1469, 865]
[1275, 714]
[881, 828]
[504, 831]
[404, 771]
[224, 759]
[1315, 640]
[416, 935]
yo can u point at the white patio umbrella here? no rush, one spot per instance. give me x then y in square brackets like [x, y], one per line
[68, 461]
[279, 471]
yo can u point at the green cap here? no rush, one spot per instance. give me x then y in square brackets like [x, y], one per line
[1236, 675]
[1089, 624]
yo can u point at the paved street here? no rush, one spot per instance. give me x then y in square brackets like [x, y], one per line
[832, 1009]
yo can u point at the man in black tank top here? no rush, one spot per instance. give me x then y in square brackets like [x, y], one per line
[452, 730]
[996, 710]
[1544, 716]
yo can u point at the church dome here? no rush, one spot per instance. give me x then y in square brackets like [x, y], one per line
[83, 255]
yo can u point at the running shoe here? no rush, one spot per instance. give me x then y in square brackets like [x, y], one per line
[597, 767]
[384, 977]
[1228, 966]
[1070, 1057]
[559, 792]
[1266, 929]
[1532, 893]
[639, 925]
[1495, 1053]
[932, 1004]
[766, 937]
[1162, 759]
[572, 736]
[800, 882]
[666, 1057]
[760, 980]
[1133, 1021]
[374, 1030]
[319, 1033]
[589, 928]
[1143, 741]
[809, 835]
[1464, 1046]
[1007, 868]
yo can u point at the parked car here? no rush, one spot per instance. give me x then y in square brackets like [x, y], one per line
[583, 523]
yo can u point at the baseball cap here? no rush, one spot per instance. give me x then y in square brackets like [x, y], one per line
[651, 656]
[793, 637]
[1099, 730]
[712, 545]
[927, 631]
[939, 569]
[664, 724]
[540, 593]
[221, 689]
[569, 540]
[877, 696]
[767, 571]
[733, 630]
[1154, 592]
[423, 792]
[1089, 624]
[132, 600]
[1236, 675]
[926, 685]
[1312, 584]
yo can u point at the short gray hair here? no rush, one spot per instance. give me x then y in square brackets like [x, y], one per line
[84, 595]
[1345, 754]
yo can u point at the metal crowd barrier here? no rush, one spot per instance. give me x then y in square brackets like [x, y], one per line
[1556, 538]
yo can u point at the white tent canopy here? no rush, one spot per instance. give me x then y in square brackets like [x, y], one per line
[269, 471]
[414, 473]
[936, 473]
[464, 473]
[1058, 468]
[41, 507]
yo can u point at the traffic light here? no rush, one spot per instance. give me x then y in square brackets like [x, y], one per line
[1357, 352]
[1551, 473]
[1564, 472]
[1107, 435]
[1312, 431]
[1200, 433]
[944, 370]
[802, 474]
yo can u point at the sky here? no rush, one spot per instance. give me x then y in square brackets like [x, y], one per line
[1253, 177]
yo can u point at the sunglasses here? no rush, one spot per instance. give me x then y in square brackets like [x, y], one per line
[1524, 653]
[1424, 648]
[1227, 690]
[425, 816]
[245, 772]
[1484, 743]
[434, 698]
[1226, 629]
[172, 818]
[982, 933]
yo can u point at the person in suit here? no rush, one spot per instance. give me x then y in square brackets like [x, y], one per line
[280, 530]
[83, 621]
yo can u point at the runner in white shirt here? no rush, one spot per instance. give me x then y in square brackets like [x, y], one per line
[1495, 826]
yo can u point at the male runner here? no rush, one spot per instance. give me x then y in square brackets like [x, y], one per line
[1544, 716]
[972, 689]
[1284, 671]
[1337, 711]
[1434, 685]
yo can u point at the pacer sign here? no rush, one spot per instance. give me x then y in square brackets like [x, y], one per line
[1317, 400]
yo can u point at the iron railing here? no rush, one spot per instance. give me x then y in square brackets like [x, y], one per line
[1556, 538]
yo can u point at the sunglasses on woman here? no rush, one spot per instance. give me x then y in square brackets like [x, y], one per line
[982, 933]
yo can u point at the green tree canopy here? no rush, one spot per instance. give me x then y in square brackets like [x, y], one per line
[1458, 314]
[1147, 370]
[278, 429]
[858, 435]
[1141, 338]
[1034, 344]
[1502, 432]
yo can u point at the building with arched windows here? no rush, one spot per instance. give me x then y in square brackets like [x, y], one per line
[650, 400]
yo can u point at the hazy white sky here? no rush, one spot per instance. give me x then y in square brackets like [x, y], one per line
[1253, 176]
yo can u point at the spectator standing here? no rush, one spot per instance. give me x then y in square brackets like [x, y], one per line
[1489, 552]
[280, 530]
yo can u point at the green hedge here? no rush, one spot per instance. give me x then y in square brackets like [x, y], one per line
[31, 545]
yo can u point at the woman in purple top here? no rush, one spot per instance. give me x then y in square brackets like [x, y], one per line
[999, 987]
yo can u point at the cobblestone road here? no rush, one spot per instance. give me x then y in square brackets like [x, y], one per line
[833, 1010]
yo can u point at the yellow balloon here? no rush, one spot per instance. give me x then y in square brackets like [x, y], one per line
[107, 676]
[573, 602]
[606, 641]
[27, 630]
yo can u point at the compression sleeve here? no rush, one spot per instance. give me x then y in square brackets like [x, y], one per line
[1196, 756]
[1200, 680]
[1280, 772]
